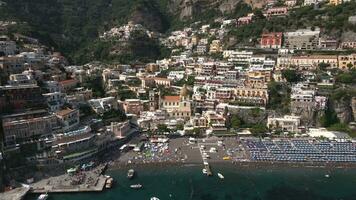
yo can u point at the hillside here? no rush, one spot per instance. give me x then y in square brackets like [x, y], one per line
[73, 26]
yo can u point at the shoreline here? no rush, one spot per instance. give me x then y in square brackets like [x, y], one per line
[245, 164]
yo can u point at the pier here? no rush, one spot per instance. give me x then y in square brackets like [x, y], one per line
[82, 181]
[208, 169]
[205, 161]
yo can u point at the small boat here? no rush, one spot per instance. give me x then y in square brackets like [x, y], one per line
[43, 197]
[130, 173]
[154, 198]
[109, 183]
[136, 186]
[205, 171]
[220, 176]
[327, 175]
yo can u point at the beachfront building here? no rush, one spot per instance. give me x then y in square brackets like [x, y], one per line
[287, 123]
[22, 127]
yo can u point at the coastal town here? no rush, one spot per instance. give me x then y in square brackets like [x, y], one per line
[286, 98]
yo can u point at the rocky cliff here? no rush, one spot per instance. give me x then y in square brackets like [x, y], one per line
[186, 9]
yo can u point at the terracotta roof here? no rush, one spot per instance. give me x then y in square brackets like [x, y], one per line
[64, 112]
[171, 98]
[161, 79]
[69, 81]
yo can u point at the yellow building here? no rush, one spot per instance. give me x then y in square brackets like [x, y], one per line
[347, 61]
[177, 106]
[335, 2]
[215, 46]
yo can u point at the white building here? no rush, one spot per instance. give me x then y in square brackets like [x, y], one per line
[331, 135]
[176, 75]
[288, 123]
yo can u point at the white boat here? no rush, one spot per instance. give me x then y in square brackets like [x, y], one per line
[154, 198]
[136, 186]
[220, 176]
[205, 171]
[109, 182]
[130, 173]
[327, 175]
[43, 197]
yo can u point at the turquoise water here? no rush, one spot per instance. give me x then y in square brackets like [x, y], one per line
[188, 182]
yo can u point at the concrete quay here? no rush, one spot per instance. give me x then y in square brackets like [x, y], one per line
[82, 181]
[15, 194]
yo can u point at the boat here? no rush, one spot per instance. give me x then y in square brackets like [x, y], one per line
[220, 176]
[327, 175]
[130, 173]
[154, 198]
[43, 197]
[205, 171]
[136, 186]
[109, 183]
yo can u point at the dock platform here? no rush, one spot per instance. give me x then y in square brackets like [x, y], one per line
[85, 181]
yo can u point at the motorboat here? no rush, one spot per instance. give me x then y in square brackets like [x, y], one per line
[154, 198]
[205, 171]
[136, 186]
[109, 183]
[220, 176]
[130, 173]
[43, 197]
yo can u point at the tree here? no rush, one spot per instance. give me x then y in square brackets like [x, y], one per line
[259, 130]
[323, 66]
[291, 76]
[329, 118]
[180, 126]
[235, 122]
[162, 128]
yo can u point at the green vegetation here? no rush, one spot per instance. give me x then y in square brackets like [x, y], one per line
[342, 128]
[330, 118]
[189, 81]
[72, 26]
[279, 97]
[333, 19]
[292, 76]
[117, 114]
[347, 77]
[95, 83]
[162, 128]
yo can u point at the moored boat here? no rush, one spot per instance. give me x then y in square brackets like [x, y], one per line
[43, 197]
[130, 173]
[220, 176]
[136, 186]
[109, 183]
[154, 198]
[205, 171]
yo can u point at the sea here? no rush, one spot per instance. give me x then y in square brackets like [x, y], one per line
[239, 183]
